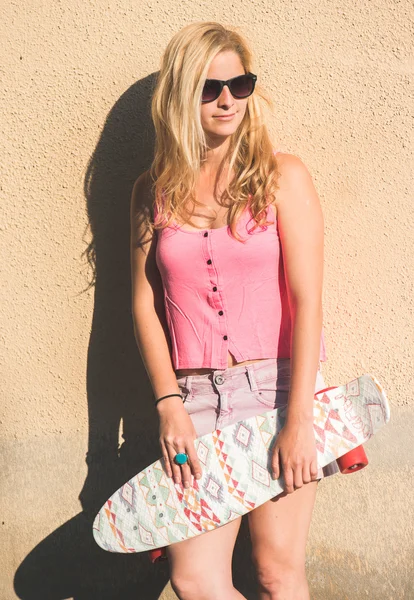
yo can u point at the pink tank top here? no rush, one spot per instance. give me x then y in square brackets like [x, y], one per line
[222, 295]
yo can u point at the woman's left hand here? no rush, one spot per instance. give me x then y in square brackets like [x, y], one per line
[295, 453]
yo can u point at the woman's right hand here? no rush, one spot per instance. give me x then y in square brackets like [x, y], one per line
[177, 434]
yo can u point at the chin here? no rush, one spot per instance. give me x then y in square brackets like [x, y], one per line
[216, 135]
[223, 130]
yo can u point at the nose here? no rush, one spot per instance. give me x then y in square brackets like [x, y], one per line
[225, 98]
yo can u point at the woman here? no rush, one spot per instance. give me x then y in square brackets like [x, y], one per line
[227, 299]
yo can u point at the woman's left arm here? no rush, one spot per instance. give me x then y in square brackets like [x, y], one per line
[300, 226]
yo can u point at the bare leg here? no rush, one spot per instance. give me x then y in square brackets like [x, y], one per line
[201, 566]
[279, 530]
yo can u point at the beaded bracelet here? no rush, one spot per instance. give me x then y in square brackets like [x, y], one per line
[167, 396]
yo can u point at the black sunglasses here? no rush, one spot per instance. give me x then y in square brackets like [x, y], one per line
[240, 87]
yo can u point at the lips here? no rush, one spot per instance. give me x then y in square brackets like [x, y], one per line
[224, 117]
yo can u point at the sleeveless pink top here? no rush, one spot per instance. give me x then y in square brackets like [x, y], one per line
[222, 295]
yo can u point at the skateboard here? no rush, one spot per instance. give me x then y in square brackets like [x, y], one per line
[150, 511]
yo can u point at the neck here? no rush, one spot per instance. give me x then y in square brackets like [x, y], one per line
[217, 149]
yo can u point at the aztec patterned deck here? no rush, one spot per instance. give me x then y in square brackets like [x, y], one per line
[151, 511]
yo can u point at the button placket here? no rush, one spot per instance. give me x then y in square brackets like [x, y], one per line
[218, 302]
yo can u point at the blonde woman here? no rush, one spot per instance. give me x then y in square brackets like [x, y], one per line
[227, 268]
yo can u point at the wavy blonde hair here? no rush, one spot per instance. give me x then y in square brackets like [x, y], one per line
[181, 145]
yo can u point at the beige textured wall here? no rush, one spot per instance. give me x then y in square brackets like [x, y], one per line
[76, 80]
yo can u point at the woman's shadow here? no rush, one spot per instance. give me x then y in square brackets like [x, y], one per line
[68, 563]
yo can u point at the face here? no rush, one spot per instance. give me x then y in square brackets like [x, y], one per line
[225, 65]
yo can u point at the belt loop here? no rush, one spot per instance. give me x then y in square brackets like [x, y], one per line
[251, 378]
[188, 380]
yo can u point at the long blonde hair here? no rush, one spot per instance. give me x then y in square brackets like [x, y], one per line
[180, 139]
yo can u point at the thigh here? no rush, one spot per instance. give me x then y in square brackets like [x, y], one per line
[279, 528]
[199, 557]
[193, 561]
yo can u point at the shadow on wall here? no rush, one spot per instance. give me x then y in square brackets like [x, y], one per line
[68, 563]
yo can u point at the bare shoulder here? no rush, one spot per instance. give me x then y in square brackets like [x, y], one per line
[295, 182]
[141, 211]
[291, 167]
[142, 195]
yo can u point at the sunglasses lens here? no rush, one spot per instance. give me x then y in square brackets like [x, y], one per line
[211, 90]
[242, 87]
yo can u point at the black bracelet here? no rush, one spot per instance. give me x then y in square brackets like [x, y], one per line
[167, 396]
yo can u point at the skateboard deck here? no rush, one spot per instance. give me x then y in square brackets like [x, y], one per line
[151, 511]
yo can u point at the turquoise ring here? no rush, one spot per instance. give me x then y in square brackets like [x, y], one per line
[181, 458]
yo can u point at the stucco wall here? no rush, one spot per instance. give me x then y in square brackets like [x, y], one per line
[76, 133]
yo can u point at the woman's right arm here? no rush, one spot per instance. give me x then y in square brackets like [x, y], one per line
[177, 432]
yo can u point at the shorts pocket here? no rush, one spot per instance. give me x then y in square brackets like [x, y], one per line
[185, 392]
[273, 393]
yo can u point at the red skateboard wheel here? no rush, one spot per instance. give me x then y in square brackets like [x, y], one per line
[352, 461]
[157, 555]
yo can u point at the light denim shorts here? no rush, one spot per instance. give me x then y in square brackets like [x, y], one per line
[224, 396]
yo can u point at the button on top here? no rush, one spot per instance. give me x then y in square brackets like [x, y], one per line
[224, 337]
[209, 261]
[205, 234]
[220, 312]
[214, 289]
[219, 379]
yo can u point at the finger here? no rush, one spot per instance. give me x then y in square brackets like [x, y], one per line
[176, 469]
[276, 463]
[288, 475]
[186, 474]
[297, 477]
[166, 459]
[306, 476]
[194, 462]
[185, 470]
[314, 470]
[190, 467]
